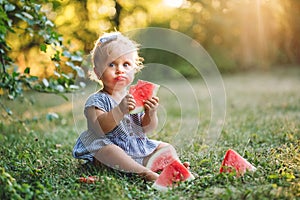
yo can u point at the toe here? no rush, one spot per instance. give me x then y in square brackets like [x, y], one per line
[187, 165]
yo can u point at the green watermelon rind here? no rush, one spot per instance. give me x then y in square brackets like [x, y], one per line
[160, 188]
[141, 108]
[166, 188]
[158, 154]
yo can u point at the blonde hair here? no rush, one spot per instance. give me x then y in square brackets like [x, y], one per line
[109, 47]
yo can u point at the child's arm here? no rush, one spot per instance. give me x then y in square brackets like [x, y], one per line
[150, 120]
[103, 122]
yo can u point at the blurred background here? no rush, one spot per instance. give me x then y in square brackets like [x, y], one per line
[239, 35]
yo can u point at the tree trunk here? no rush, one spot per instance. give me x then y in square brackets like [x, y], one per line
[116, 18]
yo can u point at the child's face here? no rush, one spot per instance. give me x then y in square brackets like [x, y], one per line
[119, 73]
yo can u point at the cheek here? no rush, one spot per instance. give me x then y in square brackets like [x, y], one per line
[131, 73]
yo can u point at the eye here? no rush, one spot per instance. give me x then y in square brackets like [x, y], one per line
[126, 64]
[111, 64]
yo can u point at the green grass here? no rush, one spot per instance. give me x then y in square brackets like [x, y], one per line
[262, 124]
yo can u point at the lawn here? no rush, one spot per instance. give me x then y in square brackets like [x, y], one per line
[262, 123]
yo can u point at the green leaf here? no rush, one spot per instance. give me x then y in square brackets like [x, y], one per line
[20, 16]
[79, 71]
[56, 56]
[70, 64]
[45, 82]
[67, 54]
[27, 70]
[65, 76]
[52, 116]
[56, 74]
[49, 23]
[43, 47]
[27, 15]
[63, 96]
[76, 58]
[15, 74]
[60, 88]
[37, 7]
[273, 176]
[74, 87]
[33, 78]
[11, 97]
[9, 7]
[8, 111]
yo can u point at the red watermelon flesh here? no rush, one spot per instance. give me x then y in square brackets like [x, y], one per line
[160, 159]
[172, 175]
[234, 161]
[142, 91]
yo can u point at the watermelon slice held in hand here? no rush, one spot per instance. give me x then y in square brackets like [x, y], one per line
[174, 173]
[234, 161]
[160, 159]
[142, 91]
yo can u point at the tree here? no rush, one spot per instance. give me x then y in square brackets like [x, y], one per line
[26, 19]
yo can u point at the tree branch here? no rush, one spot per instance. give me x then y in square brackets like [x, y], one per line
[3, 64]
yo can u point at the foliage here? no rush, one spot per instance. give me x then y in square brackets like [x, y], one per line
[238, 35]
[261, 124]
[26, 19]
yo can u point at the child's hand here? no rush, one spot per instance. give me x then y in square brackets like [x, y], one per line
[127, 104]
[151, 105]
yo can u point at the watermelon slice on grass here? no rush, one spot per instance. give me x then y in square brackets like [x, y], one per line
[160, 159]
[174, 173]
[172, 170]
[142, 91]
[235, 162]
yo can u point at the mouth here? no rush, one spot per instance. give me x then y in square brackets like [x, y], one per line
[120, 78]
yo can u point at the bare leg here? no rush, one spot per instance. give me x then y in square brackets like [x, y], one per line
[114, 157]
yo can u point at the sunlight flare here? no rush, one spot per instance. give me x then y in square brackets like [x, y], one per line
[173, 3]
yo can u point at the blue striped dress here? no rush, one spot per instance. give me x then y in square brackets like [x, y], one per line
[128, 134]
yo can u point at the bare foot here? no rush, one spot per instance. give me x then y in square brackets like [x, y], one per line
[186, 164]
[149, 176]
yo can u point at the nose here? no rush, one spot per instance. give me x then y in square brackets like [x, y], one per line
[119, 69]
